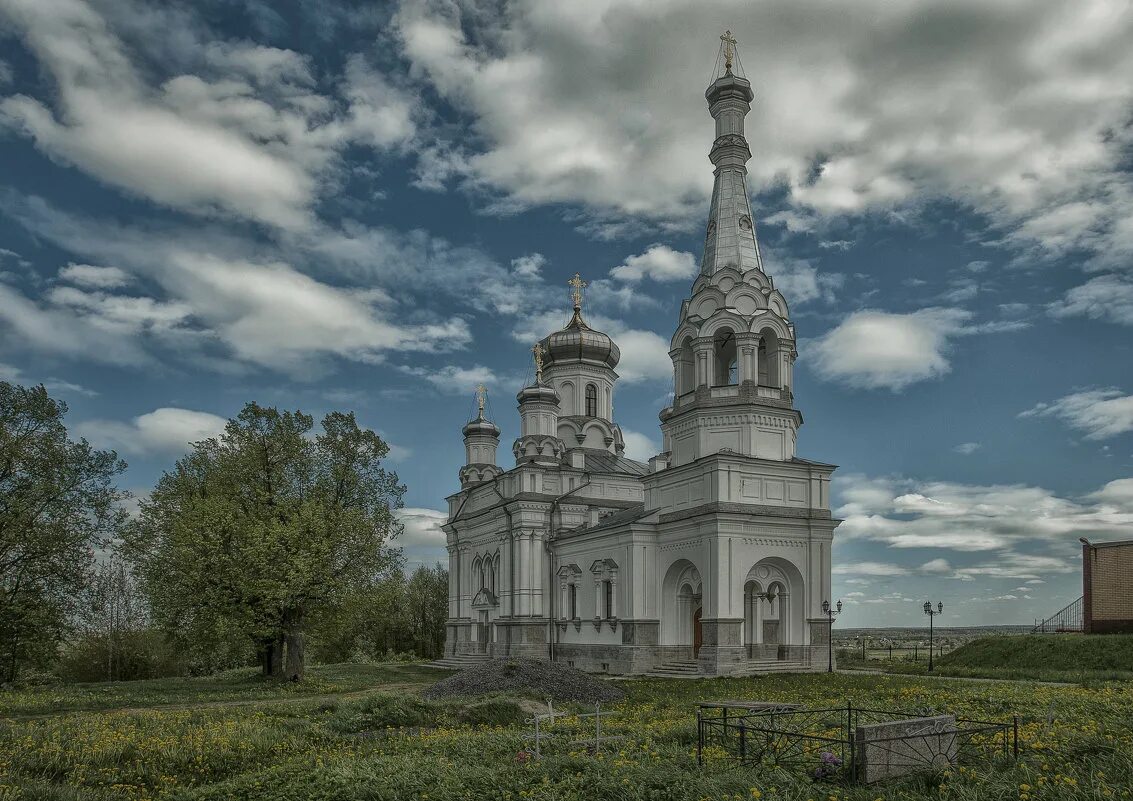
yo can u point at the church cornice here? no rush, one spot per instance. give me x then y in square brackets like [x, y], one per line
[749, 509]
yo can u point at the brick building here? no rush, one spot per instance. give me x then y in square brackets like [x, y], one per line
[1107, 587]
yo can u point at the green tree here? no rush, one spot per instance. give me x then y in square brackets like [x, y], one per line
[264, 528]
[58, 503]
[426, 606]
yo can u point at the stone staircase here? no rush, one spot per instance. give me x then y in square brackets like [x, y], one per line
[683, 669]
[459, 661]
[689, 669]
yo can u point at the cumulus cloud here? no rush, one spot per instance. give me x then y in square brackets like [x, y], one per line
[56, 386]
[422, 527]
[246, 133]
[640, 446]
[165, 431]
[658, 262]
[454, 379]
[93, 277]
[868, 569]
[604, 107]
[1107, 297]
[875, 349]
[1099, 413]
[1024, 532]
[967, 448]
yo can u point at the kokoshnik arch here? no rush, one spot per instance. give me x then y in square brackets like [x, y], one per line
[715, 556]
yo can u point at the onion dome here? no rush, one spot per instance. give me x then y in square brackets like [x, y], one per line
[481, 425]
[580, 342]
[537, 392]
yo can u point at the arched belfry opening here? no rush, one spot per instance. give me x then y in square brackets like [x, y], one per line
[769, 359]
[686, 368]
[726, 370]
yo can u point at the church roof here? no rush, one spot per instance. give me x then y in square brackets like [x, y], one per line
[579, 342]
[598, 461]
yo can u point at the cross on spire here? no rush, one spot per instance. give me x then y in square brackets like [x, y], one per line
[577, 285]
[538, 352]
[481, 397]
[729, 49]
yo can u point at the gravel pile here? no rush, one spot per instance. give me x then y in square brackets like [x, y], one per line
[542, 679]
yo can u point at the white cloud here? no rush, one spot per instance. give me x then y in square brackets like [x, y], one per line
[868, 569]
[93, 277]
[967, 448]
[1107, 297]
[658, 262]
[1009, 531]
[422, 528]
[936, 566]
[246, 133]
[603, 105]
[798, 280]
[14, 375]
[1100, 413]
[874, 349]
[166, 431]
[529, 266]
[454, 379]
[639, 446]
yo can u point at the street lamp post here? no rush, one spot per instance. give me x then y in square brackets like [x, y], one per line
[928, 610]
[830, 615]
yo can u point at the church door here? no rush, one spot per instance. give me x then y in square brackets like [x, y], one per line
[697, 634]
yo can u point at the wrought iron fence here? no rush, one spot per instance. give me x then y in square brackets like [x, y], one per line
[1069, 618]
[828, 743]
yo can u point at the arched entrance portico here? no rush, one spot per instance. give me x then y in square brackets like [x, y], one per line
[681, 606]
[774, 604]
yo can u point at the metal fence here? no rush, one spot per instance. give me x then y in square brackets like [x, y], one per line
[1069, 618]
[823, 742]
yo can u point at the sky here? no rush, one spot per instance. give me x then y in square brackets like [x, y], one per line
[376, 206]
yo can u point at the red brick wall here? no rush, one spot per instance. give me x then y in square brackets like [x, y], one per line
[1108, 576]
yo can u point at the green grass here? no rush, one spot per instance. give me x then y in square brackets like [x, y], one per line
[1050, 657]
[390, 744]
[232, 686]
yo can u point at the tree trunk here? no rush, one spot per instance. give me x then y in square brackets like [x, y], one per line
[267, 647]
[277, 657]
[293, 632]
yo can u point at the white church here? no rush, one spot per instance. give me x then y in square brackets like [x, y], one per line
[714, 557]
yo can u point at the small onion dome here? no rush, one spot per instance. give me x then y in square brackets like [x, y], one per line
[537, 393]
[481, 425]
[580, 342]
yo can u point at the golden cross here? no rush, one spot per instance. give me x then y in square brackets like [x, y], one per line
[481, 397]
[577, 285]
[729, 41]
[538, 351]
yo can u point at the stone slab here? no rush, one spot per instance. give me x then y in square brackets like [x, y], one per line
[901, 747]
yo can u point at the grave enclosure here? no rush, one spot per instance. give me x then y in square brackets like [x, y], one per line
[848, 744]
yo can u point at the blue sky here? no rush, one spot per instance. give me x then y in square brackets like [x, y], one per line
[376, 207]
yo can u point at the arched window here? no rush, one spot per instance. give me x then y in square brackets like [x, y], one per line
[591, 400]
[724, 350]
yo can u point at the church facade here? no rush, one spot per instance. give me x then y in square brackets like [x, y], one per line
[712, 558]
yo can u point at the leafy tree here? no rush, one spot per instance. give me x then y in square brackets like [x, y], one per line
[427, 609]
[111, 622]
[264, 528]
[58, 503]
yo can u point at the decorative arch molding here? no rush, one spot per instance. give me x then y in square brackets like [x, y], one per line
[724, 319]
[746, 300]
[681, 595]
[777, 303]
[769, 321]
[707, 302]
[687, 331]
[776, 613]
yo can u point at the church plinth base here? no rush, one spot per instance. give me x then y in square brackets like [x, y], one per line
[721, 650]
[526, 638]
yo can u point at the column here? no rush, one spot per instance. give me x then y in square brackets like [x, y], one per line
[524, 573]
[538, 569]
[597, 597]
[564, 600]
[702, 352]
[453, 584]
[613, 597]
[758, 621]
[747, 345]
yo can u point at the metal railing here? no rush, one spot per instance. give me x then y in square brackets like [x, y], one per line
[1069, 618]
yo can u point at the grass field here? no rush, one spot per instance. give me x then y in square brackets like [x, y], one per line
[1049, 657]
[361, 732]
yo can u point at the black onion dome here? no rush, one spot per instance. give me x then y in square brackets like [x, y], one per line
[481, 425]
[580, 342]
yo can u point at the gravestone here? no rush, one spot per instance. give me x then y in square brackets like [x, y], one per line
[900, 747]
